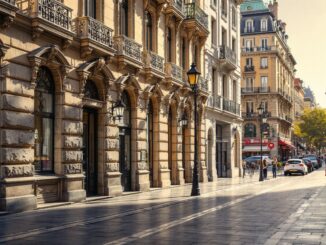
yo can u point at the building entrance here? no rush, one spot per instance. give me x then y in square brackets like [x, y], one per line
[90, 161]
[124, 156]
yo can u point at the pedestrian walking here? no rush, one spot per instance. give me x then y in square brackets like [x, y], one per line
[265, 168]
[274, 167]
[244, 168]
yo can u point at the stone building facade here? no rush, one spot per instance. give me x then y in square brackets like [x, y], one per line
[64, 67]
[267, 79]
[222, 70]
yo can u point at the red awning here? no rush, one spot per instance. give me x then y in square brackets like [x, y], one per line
[286, 144]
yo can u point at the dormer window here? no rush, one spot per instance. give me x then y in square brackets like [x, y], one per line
[249, 26]
[263, 25]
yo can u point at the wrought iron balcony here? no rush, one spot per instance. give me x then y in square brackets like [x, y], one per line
[249, 68]
[173, 72]
[153, 64]
[175, 7]
[128, 51]
[254, 115]
[215, 102]
[51, 16]
[287, 97]
[259, 49]
[227, 57]
[94, 35]
[231, 106]
[8, 11]
[194, 13]
[202, 84]
[255, 90]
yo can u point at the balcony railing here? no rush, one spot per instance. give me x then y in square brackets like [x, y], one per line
[153, 61]
[254, 115]
[259, 49]
[128, 47]
[249, 68]
[11, 2]
[95, 30]
[178, 4]
[173, 71]
[52, 11]
[285, 95]
[227, 54]
[215, 102]
[203, 83]
[193, 11]
[253, 90]
[231, 106]
[289, 119]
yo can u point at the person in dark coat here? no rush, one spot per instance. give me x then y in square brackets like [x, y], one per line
[265, 168]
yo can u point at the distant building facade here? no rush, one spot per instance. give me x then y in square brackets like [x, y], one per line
[222, 70]
[267, 79]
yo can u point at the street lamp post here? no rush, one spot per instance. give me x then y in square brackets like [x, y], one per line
[262, 120]
[193, 79]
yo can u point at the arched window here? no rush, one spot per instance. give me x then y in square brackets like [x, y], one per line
[263, 25]
[169, 44]
[149, 31]
[250, 130]
[249, 26]
[44, 121]
[91, 91]
[124, 18]
[150, 141]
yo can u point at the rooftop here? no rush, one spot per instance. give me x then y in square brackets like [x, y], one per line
[253, 5]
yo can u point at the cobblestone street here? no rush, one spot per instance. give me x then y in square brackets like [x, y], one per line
[286, 210]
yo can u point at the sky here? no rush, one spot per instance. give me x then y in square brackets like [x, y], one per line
[307, 40]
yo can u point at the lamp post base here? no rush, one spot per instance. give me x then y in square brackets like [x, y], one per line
[195, 192]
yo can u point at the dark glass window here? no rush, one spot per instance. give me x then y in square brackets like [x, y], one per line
[124, 18]
[44, 121]
[90, 8]
[250, 130]
[149, 31]
[169, 44]
[183, 53]
[91, 91]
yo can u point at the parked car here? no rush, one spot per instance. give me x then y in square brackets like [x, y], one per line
[314, 160]
[294, 166]
[309, 164]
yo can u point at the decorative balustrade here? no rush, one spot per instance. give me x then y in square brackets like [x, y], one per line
[52, 11]
[11, 2]
[227, 54]
[215, 102]
[253, 90]
[173, 71]
[259, 49]
[249, 68]
[95, 30]
[178, 4]
[193, 11]
[153, 61]
[202, 83]
[231, 106]
[128, 47]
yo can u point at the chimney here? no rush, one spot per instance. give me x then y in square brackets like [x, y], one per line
[273, 7]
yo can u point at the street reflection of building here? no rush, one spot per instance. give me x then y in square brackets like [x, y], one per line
[222, 69]
[267, 78]
[64, 68]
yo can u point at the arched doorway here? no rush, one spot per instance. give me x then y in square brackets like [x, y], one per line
[125, 144]
[90, 138]
[210, 155]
